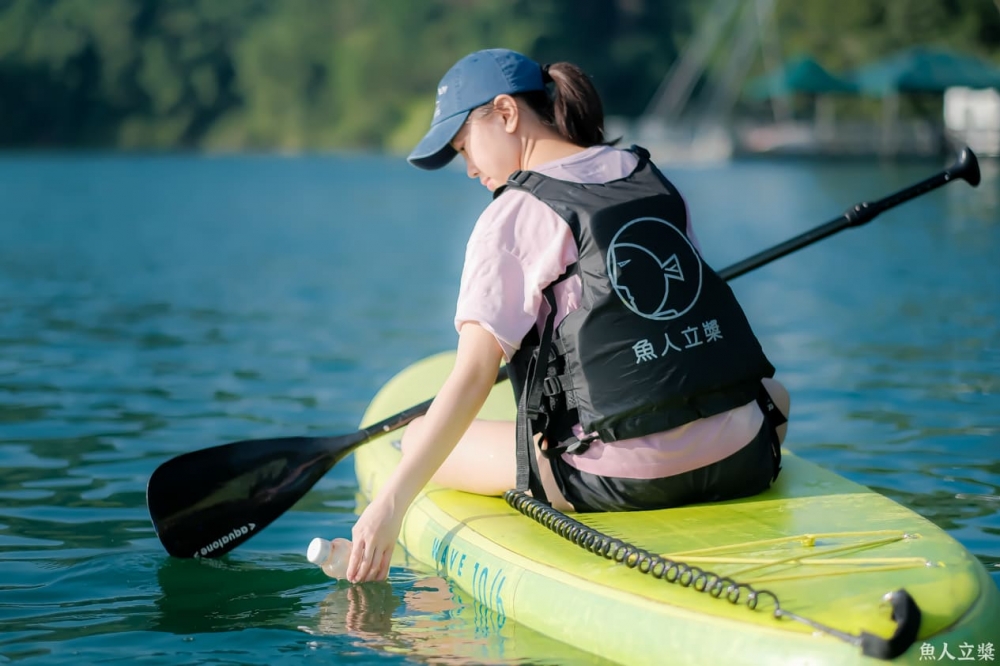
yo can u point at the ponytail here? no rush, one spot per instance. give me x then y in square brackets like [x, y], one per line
[573, 108]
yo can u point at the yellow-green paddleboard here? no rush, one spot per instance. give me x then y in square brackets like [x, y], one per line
[827, 548]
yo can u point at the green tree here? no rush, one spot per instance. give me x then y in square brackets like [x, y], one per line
[345, 74]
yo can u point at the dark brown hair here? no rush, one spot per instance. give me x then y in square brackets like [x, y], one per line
[573, 106]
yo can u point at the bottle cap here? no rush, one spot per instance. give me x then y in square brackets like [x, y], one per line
[319, 551]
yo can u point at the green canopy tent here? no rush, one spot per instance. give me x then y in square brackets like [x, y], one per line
[919, 70]
[923, 70]
[801, 75]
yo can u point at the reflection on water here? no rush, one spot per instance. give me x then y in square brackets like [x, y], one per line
[429, 618]
[150, 306]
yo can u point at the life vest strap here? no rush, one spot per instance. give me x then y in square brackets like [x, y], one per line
[528, 476]
[774, 418]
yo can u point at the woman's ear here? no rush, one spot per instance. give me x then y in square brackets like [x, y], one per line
[507, 107]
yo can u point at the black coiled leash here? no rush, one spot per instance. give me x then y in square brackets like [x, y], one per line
[905, 611]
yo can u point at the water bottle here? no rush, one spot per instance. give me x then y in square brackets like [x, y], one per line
[331, 556]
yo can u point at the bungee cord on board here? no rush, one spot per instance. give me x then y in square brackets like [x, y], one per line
[905, 611]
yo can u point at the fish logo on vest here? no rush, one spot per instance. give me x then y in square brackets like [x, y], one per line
[654, 269]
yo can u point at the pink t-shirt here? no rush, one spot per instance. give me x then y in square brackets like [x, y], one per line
[517, 248]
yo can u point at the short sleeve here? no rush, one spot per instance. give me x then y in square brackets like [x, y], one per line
[518, 247]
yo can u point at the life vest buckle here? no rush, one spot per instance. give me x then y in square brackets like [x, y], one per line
[577, 446]
[552, 386]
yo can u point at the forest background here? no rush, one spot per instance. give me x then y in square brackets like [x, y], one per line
[303, 75]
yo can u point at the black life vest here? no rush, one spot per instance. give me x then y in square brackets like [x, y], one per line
[659, 339]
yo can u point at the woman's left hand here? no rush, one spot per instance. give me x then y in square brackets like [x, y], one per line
[374, 538]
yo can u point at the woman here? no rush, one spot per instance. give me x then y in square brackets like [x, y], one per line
[650, 389]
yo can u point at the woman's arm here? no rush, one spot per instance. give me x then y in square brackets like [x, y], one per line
[456, 405]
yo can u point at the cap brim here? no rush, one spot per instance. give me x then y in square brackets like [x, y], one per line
[434, 150]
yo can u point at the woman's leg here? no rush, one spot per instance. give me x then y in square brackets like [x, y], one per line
[783, 401]
[484, 462]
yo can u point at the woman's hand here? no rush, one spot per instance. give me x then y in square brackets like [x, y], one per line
[374, 538]
[456, 405]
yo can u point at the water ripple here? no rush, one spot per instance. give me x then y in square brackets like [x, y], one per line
[152, 306]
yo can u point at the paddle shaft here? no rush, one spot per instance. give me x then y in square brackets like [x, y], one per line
[966, 167]
[399, 420]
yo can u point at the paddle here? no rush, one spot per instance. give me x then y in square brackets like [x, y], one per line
[966, 168]
[207, 502]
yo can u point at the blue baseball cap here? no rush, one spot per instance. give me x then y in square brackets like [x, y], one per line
[471, 82]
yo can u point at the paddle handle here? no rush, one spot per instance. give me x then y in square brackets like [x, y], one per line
[966, 168]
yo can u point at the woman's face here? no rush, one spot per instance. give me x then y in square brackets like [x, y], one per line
[490, 144]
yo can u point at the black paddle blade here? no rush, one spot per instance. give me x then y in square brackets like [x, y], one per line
[205, 503]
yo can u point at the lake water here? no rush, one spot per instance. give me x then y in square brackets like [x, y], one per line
[154, 305]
